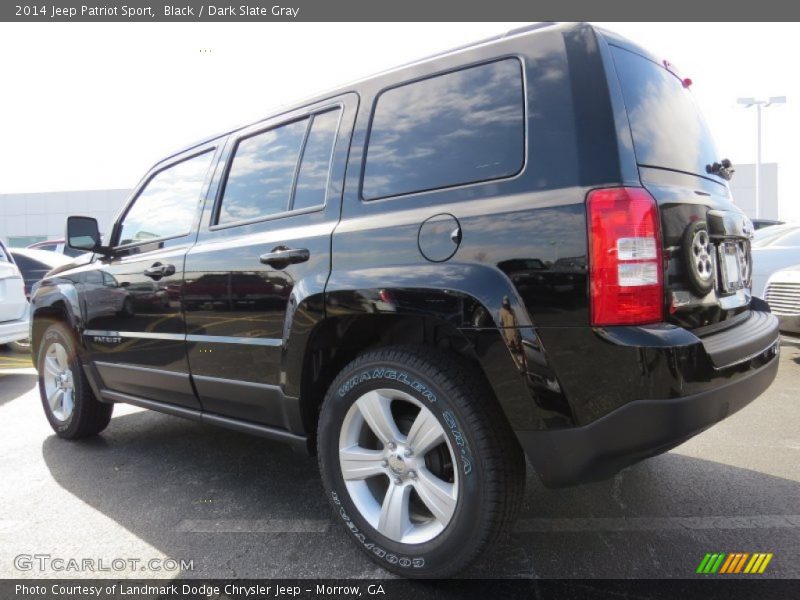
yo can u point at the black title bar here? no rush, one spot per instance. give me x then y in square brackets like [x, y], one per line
[401, 10]
[394, 589]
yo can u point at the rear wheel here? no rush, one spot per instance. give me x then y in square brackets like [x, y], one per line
[417, 460]
[21, 346]
[68, 401]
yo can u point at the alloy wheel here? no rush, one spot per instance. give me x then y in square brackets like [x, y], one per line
[398, 466]
[59, 384]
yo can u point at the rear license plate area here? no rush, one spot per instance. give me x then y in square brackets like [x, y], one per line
[730, 261]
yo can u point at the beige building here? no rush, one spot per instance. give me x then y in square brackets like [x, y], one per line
[29, 218]
[743, 188]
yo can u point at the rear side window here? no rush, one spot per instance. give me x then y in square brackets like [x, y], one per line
[264, 178]
[461, 127]
[167, 205]
[261, 174]
[31, 267]
[93, 278]
[668, 129]
[3, 256]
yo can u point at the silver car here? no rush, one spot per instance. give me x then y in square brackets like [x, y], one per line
[14, 308]
[783, 296]
[774, 248]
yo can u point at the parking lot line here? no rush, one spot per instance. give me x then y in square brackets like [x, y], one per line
[522, 526]
[254, 525]
[658, 523]
[8, 362]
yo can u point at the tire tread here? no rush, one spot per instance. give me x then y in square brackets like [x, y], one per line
[498, 449]
[91, 416]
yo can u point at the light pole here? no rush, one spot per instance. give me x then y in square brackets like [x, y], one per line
[759, 103]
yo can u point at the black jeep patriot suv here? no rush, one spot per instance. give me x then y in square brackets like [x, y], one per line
[521, 248]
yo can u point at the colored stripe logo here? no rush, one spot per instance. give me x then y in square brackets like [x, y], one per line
[734, 563]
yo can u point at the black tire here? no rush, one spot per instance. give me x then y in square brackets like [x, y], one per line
[490, 462]
[88, 416]
[21, 346]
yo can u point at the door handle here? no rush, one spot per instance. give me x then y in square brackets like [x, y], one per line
[157, 271]
[281, 257]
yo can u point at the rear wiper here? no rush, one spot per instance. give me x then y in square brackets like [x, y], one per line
[722, 169]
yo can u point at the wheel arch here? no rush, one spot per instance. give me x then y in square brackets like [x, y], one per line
[56, 303]
[424, 309]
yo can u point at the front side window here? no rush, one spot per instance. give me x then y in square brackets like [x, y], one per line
[167, 205]
[461, 127]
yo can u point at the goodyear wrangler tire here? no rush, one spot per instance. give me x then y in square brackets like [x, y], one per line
[417, 460]
[67, 399]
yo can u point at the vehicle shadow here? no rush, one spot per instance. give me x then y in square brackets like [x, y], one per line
[197, 492]
[14, 385]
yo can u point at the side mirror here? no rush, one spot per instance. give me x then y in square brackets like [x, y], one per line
[83, 234]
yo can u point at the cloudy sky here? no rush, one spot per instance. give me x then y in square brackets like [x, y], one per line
[91, 106]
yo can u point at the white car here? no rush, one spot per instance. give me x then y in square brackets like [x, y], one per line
[14, 307]
[783, 296]
[774, 248]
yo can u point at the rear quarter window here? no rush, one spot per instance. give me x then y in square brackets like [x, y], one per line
[460, 127]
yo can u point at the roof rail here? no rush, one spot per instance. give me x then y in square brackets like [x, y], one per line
[494, 38]
[527, 28]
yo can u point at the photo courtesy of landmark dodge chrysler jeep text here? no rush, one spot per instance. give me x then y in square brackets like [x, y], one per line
[525, 247]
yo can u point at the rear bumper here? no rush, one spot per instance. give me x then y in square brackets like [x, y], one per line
[789, 324]
[644, 427]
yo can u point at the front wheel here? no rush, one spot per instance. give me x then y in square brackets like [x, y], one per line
[418, 461]
[68, 401]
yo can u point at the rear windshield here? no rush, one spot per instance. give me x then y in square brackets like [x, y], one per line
[668, 129]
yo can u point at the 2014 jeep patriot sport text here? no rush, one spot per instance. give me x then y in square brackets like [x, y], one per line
[524, 247]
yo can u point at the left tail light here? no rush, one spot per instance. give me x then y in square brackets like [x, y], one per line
[625, 257]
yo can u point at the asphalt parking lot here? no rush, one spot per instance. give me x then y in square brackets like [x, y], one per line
[157, 487]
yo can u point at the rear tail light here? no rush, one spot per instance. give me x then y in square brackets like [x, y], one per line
[625, 266]
[386, 296]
